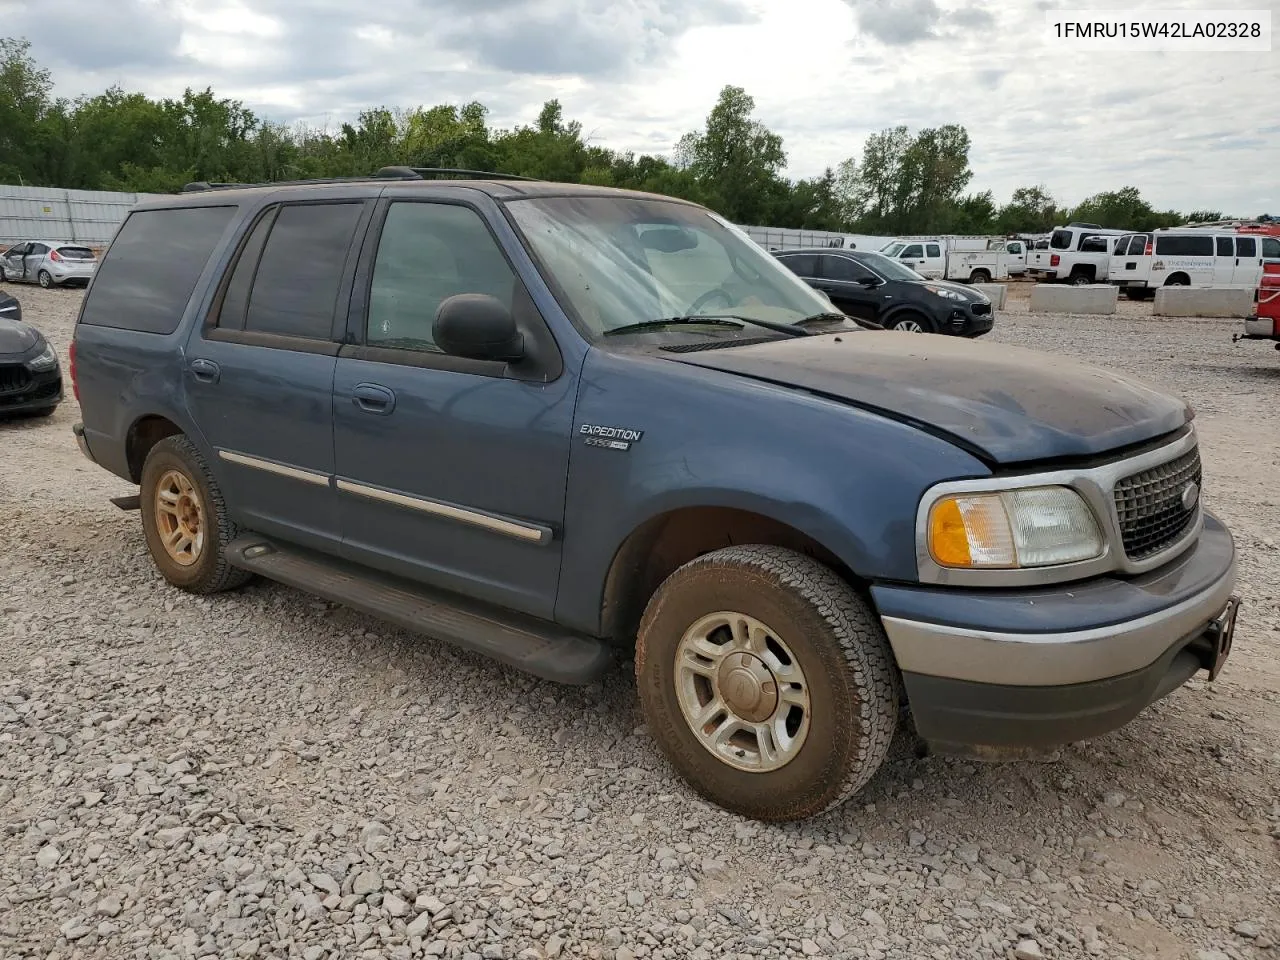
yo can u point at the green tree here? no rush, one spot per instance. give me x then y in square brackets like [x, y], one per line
[1124, 209]
[24, 100]
[909, 183]
[1030, 210]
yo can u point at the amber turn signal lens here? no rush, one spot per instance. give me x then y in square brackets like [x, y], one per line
[948, 538]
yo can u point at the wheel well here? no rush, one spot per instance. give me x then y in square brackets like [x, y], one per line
[1170, 280]
[1085, 268]
[144, 435]
[980, 272]
[660, 546]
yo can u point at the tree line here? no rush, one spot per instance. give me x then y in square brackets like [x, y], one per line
[903, 181]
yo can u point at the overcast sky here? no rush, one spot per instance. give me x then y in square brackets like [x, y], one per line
[1191, 130]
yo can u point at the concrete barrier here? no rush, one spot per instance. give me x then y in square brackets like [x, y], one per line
[1203, 302]
[996, 291]
[1095, 298]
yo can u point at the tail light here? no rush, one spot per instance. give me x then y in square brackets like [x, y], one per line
[1054, 260]
[1147, 251]
[75, 385]
[55, 255]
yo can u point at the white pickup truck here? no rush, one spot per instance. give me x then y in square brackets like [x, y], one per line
[966, 259]
[1079, 254]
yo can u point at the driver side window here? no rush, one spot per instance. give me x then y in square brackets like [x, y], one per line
[842, 268]
[427, 253]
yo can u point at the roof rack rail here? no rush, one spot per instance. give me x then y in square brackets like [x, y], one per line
[423, 173]
[386, 173]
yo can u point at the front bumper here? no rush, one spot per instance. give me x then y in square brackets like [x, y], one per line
[1039, 667]
[36, 391]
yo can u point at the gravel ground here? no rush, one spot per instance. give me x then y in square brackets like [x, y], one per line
[265, 774]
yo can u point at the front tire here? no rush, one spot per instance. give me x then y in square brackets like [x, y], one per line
[184, 519]
[911, 323]
[46, 279]
[767, 682]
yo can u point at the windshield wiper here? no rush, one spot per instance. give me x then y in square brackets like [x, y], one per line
[714, 319]
[865, 324]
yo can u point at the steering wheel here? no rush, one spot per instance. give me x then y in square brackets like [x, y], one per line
[695, 308]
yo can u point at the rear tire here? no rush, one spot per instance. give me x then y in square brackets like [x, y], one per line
[980, 276]
[46, 279]
[767, 682]
[1178, 280]
[184, 519]
[1080, 280]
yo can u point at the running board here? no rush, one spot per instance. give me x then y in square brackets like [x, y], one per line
[525, 643]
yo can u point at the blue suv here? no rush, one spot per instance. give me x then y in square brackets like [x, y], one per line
[560, 424]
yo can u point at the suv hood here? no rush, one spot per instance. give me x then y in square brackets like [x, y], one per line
[1006, 404]
[970, 294]
[16, 337]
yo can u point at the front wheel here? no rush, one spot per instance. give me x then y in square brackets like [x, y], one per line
[910, 323]
[767, 682]
[185, 519]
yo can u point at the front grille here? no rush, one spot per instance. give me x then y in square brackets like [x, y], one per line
[14, 378]
[1150, 505]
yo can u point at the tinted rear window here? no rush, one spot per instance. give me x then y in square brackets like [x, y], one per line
[1061, 240]
[1184, 246]
[76, 253]
[152, 266]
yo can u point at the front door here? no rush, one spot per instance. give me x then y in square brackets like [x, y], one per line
[852, 287]
[1248, 272]
[259, 376]
[912, 256]
[13, 262]
[449, 471]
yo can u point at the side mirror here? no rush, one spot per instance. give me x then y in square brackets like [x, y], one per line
[478, 327]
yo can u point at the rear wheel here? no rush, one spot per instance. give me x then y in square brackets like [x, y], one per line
[45, 278]
[1178, 280]
[980, 276]
[185, 519]
[767, 682]
[1080, 280]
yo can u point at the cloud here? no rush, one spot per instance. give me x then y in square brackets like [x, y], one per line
[897, 22]
[132, 34]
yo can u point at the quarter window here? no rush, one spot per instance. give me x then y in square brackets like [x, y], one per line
[428, 253]
[151, 268]
[295, 289]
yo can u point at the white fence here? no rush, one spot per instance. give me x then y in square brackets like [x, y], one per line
[49, 213]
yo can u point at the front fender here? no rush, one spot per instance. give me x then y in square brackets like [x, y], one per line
[844, 477]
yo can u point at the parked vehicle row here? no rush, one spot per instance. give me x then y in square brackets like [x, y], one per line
[874, 287]
[49, 263]
[1079, 254]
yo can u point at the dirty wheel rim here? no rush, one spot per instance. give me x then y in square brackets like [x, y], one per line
[742, 692]
[179, 518]
[909, 326]
[46, 281]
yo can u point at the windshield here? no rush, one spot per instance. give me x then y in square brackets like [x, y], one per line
[621, 261]
[893, 249]
[889, 269]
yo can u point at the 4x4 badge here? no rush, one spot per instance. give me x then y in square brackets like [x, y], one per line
[611, 438]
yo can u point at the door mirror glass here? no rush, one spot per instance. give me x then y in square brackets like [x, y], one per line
[476, 326]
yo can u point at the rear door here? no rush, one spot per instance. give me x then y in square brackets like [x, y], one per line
[1248, 270]
[848, 284]
[259, 375]
[33, 260]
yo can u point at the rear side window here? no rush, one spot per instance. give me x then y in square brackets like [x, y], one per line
[1246, 247]
[1271, 248]
[1225, 247]
[1095, 245]
[933, 250]
[842, 268]
[1060, 240]
[295, 288]
[801, 264]
[1184, 246]
[152, 266]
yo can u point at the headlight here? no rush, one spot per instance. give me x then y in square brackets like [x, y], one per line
[46, 360]
[1035, 527]
[946, 294]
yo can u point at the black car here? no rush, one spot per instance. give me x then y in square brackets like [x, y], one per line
[873, 287]
[30, 377]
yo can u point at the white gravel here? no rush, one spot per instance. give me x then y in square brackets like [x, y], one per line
[262, 774]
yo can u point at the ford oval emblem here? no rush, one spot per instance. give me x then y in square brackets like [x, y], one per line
[1190, 496]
